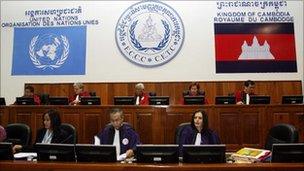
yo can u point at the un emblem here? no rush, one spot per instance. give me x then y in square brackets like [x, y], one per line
[49, 51]
[149, 33]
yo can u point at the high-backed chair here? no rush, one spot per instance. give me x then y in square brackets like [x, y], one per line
[44, 97]
[71, 130]
[179, 130]
[18, 133]
[281, 133]
[125, 123]
[92, 93]
[110, 125]
[200, 93]
[152, 93]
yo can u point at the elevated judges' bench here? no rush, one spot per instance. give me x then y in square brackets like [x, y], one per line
[237, 126]
[57, 166]
[275, 89]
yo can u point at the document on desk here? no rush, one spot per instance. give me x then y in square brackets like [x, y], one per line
[251, 155]
[122, 157]
[25, 155]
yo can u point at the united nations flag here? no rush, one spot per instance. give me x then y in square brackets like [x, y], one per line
[49, 51]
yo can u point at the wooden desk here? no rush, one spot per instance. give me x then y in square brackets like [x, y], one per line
[238, 126]
[4, 116]
[57, 166]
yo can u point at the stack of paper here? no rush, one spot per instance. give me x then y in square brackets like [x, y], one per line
[25, 155]
[251, 155]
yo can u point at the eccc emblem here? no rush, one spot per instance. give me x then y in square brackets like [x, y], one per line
[149, 33]
[49, 51]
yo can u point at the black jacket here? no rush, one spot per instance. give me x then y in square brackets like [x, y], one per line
[59, 136]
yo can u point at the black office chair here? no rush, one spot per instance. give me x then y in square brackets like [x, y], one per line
[110, 125]
[125, 123]
[71, 130]
[92, 93]
[179, 130]
[18, 133]
[231, 94]
[44, 98]
[281, 133]
[200, 93]
[152, 93]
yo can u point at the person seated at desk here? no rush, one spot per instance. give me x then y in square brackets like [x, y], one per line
[79, 92]
[141, 98]
[50, 133]
[120, 134]
[198, 131]
[29, 92]
[2, 134]
[243, 96]
[194, 90]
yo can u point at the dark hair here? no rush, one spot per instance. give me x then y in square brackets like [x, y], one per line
[205, 119]
[194, 84]
[28, 87]
[248, 82]
[54, 117]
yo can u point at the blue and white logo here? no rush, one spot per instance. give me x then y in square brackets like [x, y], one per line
[149, 33]
[49, 51]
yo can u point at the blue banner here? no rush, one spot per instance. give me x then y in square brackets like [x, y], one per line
[49, 51]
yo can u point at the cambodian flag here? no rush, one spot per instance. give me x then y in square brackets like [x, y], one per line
[255, 47]
[49, 51]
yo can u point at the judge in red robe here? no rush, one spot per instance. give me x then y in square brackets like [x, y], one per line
[141, 97]
[79, 92]
[241, 97]
[194, 90]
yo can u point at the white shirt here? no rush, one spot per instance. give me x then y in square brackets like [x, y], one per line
[198, 139]
[77, 99]
[247, 99]
[47, 137]
[116, 142]
[137, 100]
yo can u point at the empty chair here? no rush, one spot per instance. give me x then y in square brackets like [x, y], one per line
[281, 133]
[71, 130]
[18, 133]
[152, 93]
[44, 97]
[178, 131]
[92, 93]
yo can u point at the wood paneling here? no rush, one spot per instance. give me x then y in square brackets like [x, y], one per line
[91, 126]
[252, 124]
[299, 122]
[276, 89]
[143, 125]
[294, 115]
[4, 116]
[237, 126]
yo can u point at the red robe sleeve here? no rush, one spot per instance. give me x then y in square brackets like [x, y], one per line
[37, 100]
[144, 100]
[238, 96]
